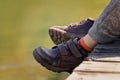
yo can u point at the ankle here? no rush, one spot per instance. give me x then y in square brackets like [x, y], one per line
[87, 43]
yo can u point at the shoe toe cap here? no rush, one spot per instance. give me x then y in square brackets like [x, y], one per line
[46, 54]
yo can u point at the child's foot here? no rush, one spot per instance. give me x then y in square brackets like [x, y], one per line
[60, 34]
[61, 58]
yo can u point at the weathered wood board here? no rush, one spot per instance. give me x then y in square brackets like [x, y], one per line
[92, 70]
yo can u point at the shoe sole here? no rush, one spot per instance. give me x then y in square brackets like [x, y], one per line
[45, 63]
[60, 36]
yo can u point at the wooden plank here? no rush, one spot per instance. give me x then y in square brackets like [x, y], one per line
[93, 76]
[90, 70]
[99, 67]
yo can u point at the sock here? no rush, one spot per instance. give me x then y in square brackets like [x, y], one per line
[82, 43]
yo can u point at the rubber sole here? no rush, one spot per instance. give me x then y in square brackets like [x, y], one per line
[45, 63]
[59, 36]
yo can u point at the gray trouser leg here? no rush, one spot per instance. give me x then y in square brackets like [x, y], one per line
[104, 51]
[107, 26]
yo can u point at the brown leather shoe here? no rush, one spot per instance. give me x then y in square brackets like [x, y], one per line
[61, 58]
[61, 34]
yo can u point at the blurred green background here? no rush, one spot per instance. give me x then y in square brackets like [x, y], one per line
[24, 25]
